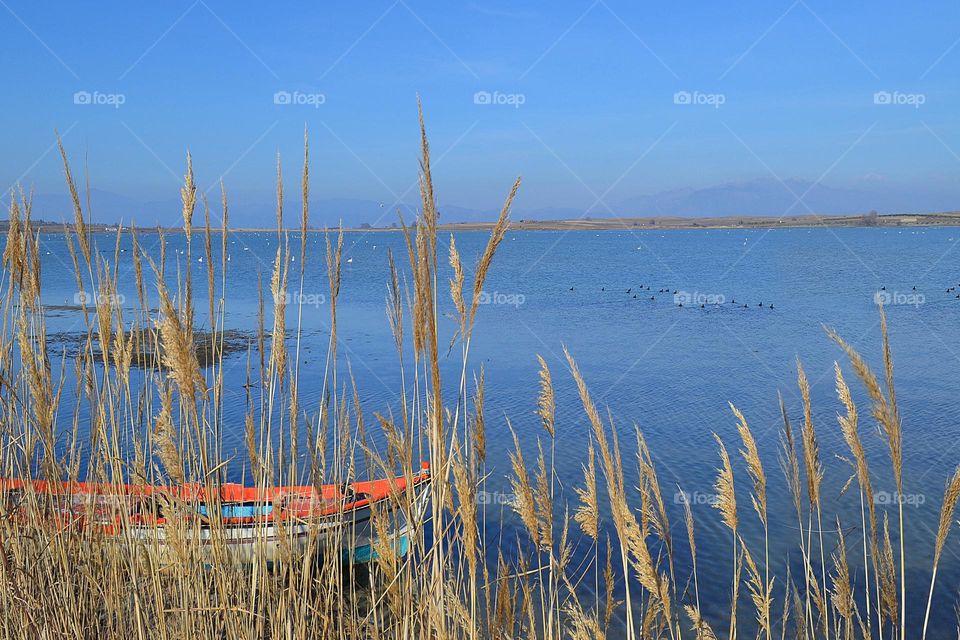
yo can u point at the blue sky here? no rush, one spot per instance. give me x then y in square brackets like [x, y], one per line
[583, 97]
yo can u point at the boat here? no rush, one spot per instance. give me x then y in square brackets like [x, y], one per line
[253, 522]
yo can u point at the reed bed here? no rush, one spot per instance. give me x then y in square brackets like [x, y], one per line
[158, 419]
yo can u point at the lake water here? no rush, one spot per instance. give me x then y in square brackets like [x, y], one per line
[668, 369]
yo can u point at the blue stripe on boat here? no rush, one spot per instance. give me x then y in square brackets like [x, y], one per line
[240, 510]
[365, 553]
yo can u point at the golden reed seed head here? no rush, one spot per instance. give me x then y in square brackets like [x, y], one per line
[726, 499]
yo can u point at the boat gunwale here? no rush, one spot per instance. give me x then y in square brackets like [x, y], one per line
[193, 496]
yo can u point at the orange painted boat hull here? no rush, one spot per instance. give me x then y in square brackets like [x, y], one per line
[242, 523]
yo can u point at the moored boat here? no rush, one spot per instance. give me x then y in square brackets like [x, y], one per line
[355, 519]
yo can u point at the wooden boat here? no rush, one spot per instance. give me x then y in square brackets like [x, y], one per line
[253, 522]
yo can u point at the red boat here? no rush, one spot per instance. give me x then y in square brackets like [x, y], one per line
[253, 522]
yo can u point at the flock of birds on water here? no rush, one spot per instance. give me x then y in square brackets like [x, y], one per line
[948, 290]
[644, 289]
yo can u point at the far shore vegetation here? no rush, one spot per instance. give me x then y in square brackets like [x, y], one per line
[586, 223]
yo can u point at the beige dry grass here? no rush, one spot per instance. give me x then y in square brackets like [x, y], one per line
[460, 580]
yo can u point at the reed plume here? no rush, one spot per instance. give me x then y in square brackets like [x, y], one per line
[951, 495]
[587, 514]
[633, 544]
[165, 437]
[884, 410]
[726, 497]
[814, 469]
[546, 405]
[496, 237]
[479, 424]
[700, 626]
[80, 225]
[726, 504]
[843, 599]
[888, 577]
[543, 499]
[524, 502]
[456, 287]
[851, 435]
[762, 593]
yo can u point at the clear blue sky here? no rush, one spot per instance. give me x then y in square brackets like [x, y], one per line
[597, 81]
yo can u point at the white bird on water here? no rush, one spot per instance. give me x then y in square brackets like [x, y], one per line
[349, 260]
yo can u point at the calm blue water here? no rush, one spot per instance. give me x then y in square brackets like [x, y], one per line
[668, 369]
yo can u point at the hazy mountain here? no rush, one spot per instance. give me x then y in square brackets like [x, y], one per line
[771, 197]
[754, 197]
[747, 198]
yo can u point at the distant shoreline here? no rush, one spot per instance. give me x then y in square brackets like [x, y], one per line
[944, 219]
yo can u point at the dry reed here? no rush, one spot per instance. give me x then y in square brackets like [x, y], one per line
[165, 426]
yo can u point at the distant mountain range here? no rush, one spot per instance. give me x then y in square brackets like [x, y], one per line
[760, 197]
